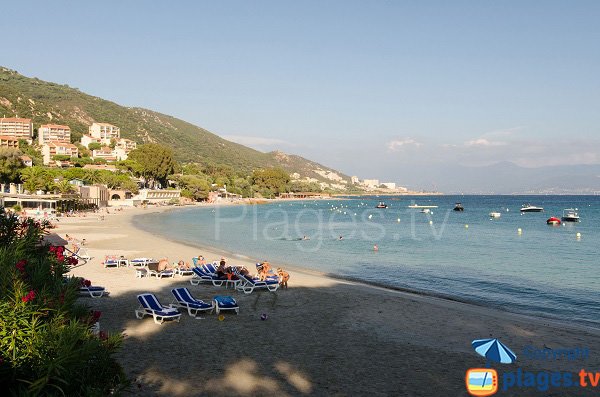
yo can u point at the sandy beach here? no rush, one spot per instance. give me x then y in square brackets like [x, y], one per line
[323, 336]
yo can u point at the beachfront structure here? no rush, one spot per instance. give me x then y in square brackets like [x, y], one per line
[354, 180]
[371, 182]
[105, 132]
[97, 195]
[9, 141]
[17, 128]
[54, 133]
[52, 149]
[155, 196]
[389, 185]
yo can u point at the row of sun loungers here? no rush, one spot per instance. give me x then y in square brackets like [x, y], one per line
[241, 282]
[150, 306]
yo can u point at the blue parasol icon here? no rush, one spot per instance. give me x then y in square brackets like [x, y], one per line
[494, 350]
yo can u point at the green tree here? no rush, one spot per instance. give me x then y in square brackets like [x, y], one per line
[10, 165]
[156, 163]
[94, 146]
[64, 187]
[270, 181]
[35, 178]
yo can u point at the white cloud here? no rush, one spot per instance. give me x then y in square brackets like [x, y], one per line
[482, 142]
[398, 144]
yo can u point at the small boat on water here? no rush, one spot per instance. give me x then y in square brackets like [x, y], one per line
[495, 215]
[381, 205]
[553, 221]
[422, 206]
[458, 207]
[570, 215]
[531, 208]
[425, 211]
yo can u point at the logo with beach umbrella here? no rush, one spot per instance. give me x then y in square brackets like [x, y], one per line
[484, 381]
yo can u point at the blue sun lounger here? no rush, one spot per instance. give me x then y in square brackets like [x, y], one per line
[200, 276]
[248, 285]
[95, 291]
[185, 300]
[225, 303]
[150, 306]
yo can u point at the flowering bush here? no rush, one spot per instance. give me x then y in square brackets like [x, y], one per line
[46, 345]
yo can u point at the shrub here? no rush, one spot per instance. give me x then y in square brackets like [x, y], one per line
[46, 345]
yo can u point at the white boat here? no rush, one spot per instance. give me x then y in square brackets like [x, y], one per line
[495, 215]
[422, 206]
[570, 215]
[531, 208]
[425, 210]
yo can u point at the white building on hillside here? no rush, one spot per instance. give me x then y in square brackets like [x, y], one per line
[105, 132]
[371, 182]
[389, 185]
[51, 149]
[54, 133]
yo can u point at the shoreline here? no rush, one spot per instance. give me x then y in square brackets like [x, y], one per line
[323, 336]
[590, 326]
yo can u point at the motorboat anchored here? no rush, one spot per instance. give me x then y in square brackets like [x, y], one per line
[458, 207]
[570, 215]
[381, 205]
[553, 221]
[531, 208]
[495, 215]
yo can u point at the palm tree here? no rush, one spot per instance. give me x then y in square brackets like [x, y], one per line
[64, 187]
[34, 178]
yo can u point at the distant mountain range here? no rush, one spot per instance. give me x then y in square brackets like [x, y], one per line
[507, 178]
[46, 102]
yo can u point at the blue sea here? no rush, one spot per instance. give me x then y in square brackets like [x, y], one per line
[542, 270]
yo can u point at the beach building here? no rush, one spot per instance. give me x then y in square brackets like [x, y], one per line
[95, 195]
[17, 128]
[354, 180]
[105, 132]
[371, 183]
[51, 149]
[9, 141]
[389, 185]
[54, 133]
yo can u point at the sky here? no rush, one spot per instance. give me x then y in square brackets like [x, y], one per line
[376, 89]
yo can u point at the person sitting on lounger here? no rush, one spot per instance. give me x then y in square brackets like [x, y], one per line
[201, 260]
[221, 270]
[163, 264]
[181, 265]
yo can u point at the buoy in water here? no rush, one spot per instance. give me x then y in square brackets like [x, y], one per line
[431, 222]
[520, 231]
[398, 220]
[578, 235]
[466, 226]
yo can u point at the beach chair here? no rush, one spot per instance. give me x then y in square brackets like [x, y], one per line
[111, 261]
[248, 284]
[210, 268]
[184, 299]
[223, 303]
[94, 291]
[150, 306]
[137, 262]
[184, 272]
[153, 271]
[201, 276]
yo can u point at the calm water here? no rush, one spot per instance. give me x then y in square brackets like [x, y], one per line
[544, 271]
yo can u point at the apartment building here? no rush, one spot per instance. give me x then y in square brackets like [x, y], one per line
[126, 144]
[9, 141]
[54, 133]
[105, 132]
[17, 128]
[51, 149]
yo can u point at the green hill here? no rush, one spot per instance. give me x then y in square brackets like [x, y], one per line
[46, 102]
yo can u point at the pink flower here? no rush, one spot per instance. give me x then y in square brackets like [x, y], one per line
[29, 297]
[21, 265]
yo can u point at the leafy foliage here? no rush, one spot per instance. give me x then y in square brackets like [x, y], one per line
[10, 165]
[46, 346]
[155, 162]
